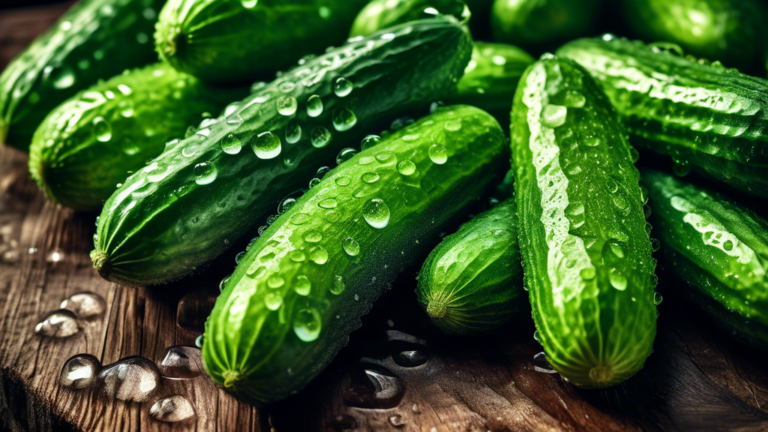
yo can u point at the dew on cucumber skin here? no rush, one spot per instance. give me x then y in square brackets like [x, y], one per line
[181, 362]
[344, 119]
[328, 203]
[370, 177]
[541, 364]
[231, 144]
[376, 213]
[273, 301]
[287, 105]
[266, 145]
[617, 280]
[365, 160]
[592, 141]
[369, 141]
[172, 409]
[350, 246]
[132, 379]
[554, 116]
[314, 106]
[406, 167]
[318, 255]
[102, 129]
[337, 285]
[320, 137]
[313, 236]
[438, 154]
[342, 87]
[80, 372]
[292, 132]
[453, 125]
[345, 155]
[205, 173]
[307, 324]
[58, 324]
[85, 305]
[302, 285]
[275, 281]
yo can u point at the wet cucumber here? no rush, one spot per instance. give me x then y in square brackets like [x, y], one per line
[705, 117]
[719, 248]
[380, 14]
[472, 282]
[302, 287]
[234, 41]
[583, 239]
[94, 40]
[91, 142]
[213, 188]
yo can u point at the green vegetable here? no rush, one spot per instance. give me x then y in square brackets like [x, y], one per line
[380, 14]
[213, 188]
[236, 40]
[703, 116]
[90, 143]
[96, 39]
[304, 284]
[472, 282]
[542, 24]
[731, 31]
[719, 248]
[583, 239]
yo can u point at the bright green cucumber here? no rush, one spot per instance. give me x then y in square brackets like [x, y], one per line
[705, 117]
[542, 24]
[727, 30]
[380, 14]
[90, 143]
[302, 287]
[203, 194]
[94, 40]
[234, 40]
[586, 252]
[719, 248]
[472, 281]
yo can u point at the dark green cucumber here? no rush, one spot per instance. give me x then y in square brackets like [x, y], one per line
[380, 14]
[94, 40]
[586, 252]
[302, 287]
[472, 282]
[705, 117]
[195, 200]
[719, 248]
[233, 41]
[538, 25]
[90, 143]
[727, 30]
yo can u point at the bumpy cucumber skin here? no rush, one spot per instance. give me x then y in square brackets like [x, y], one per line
[705, 117]
[258, 353]
[727, 30]
[719, 248]
[224, 41]
[541, 24]
[472, 282]
[380, 14]
[161, 224]
[90, 143]
[586, 252]
[94, 40]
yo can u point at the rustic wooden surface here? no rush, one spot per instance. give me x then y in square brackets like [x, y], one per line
[696, 380]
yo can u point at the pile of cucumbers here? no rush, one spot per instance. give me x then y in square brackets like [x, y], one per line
[344, 138]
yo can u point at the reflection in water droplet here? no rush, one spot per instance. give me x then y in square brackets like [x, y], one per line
[369, 141]
[132, 379]
[376, 213]
[350, 246]
[438, 154]
[80, 371]
[302, 286]
[181, 362]
[273, 301]
[344, 119]
[62, 77]
[318, 255]
[372, 387]
[617, 280]
[129, 146]
[102, 129]
[406, 167]
[553, 116]
[541, 364]
[287, 105]
[342, 87]
[345, 155]
[313, 236]
[85, 305]
[338, 286]
[292, 132]
[205, 173]
[172, 409]
[307, 324]
[370, 177]
[314, 106]
[453, 125]
[266, 145]
[58, 324]
[230, 144]
[320, 137]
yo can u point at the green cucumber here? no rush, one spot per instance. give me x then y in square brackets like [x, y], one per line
[586, 252]
[719, 248]
[472, 282]
[538, 25]
[727, 30]
[234, 41]
[302, 287]
[705, 117]
[89, 144]
[94, 40]
[200, 196]
[380, 14]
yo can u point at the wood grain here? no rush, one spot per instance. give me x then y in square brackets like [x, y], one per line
[696, 380]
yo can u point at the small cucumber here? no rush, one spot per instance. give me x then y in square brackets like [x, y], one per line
[472, 282]
[302, 287]
[94, 40]
[380, 14]
[719, 248]
[90, 143]
[705, 117]
[204, 193]
[586, 252]
[234, 41]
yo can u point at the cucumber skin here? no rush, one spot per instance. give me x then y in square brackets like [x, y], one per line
[80, 171]
[254, 352]
[212, 40]
[171, 227]
[734, 37]
[710, 118]
[733, 293]
[380, 14]
[472, 282]
[595, 335]
[28, 93]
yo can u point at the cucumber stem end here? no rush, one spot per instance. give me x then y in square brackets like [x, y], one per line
[437, 309]
[102, 263]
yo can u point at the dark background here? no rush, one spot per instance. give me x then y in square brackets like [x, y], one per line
[7, 4]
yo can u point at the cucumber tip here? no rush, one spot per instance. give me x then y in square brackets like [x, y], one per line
[101, 263]
[437, 309]
[230, 378]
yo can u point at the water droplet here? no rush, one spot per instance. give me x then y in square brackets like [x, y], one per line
[287, 105]
[541, 364]
[129, 146]
[102, 129]
[617, 280]
[286, 86]
[314, 106]
[275, 281]
[250, 4]
[574, 99]
[342, 87]
[453, 125]
[267, 145]
[80, 371]
[132, 379]
[369, 141]
[553, 116]
[273, 301]
[172, 409]
[588, 273]
[365, 160]
[592, 141]
[410, 357]
[292, 132]
[338, 286]
[372, 387]
[343, 180]
[616, 248]
[344, 119]
[85, 305]
[199, 341]
[345, 155]
[313, 236]
[657, 298]
[318, 255]
[62, 77]
[126, 108]
[376, 213]
[307, 324]
[230, 144]
[370, 177]
[302, 286]
[300, 218]
[205, 173]
[181, 362]
[397, 421]
[655, 245]
[350, 246]
[406, 167]
[58, 324]
[320, 137]
[634, 155]
[328, 203]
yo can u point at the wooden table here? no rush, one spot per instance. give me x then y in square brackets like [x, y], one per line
[696, 380]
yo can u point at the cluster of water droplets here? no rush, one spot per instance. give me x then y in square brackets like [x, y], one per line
[9, 246]
[64, 322]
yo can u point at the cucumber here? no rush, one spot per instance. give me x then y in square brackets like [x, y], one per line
[90, 143]
[537, 25]
[94, 40]
[586, 252]
[235, 41]
[727, 30]
[302, 287]
[203, 194]
[472, 282]
[705, 117]
[718, 248]
[380, 14]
